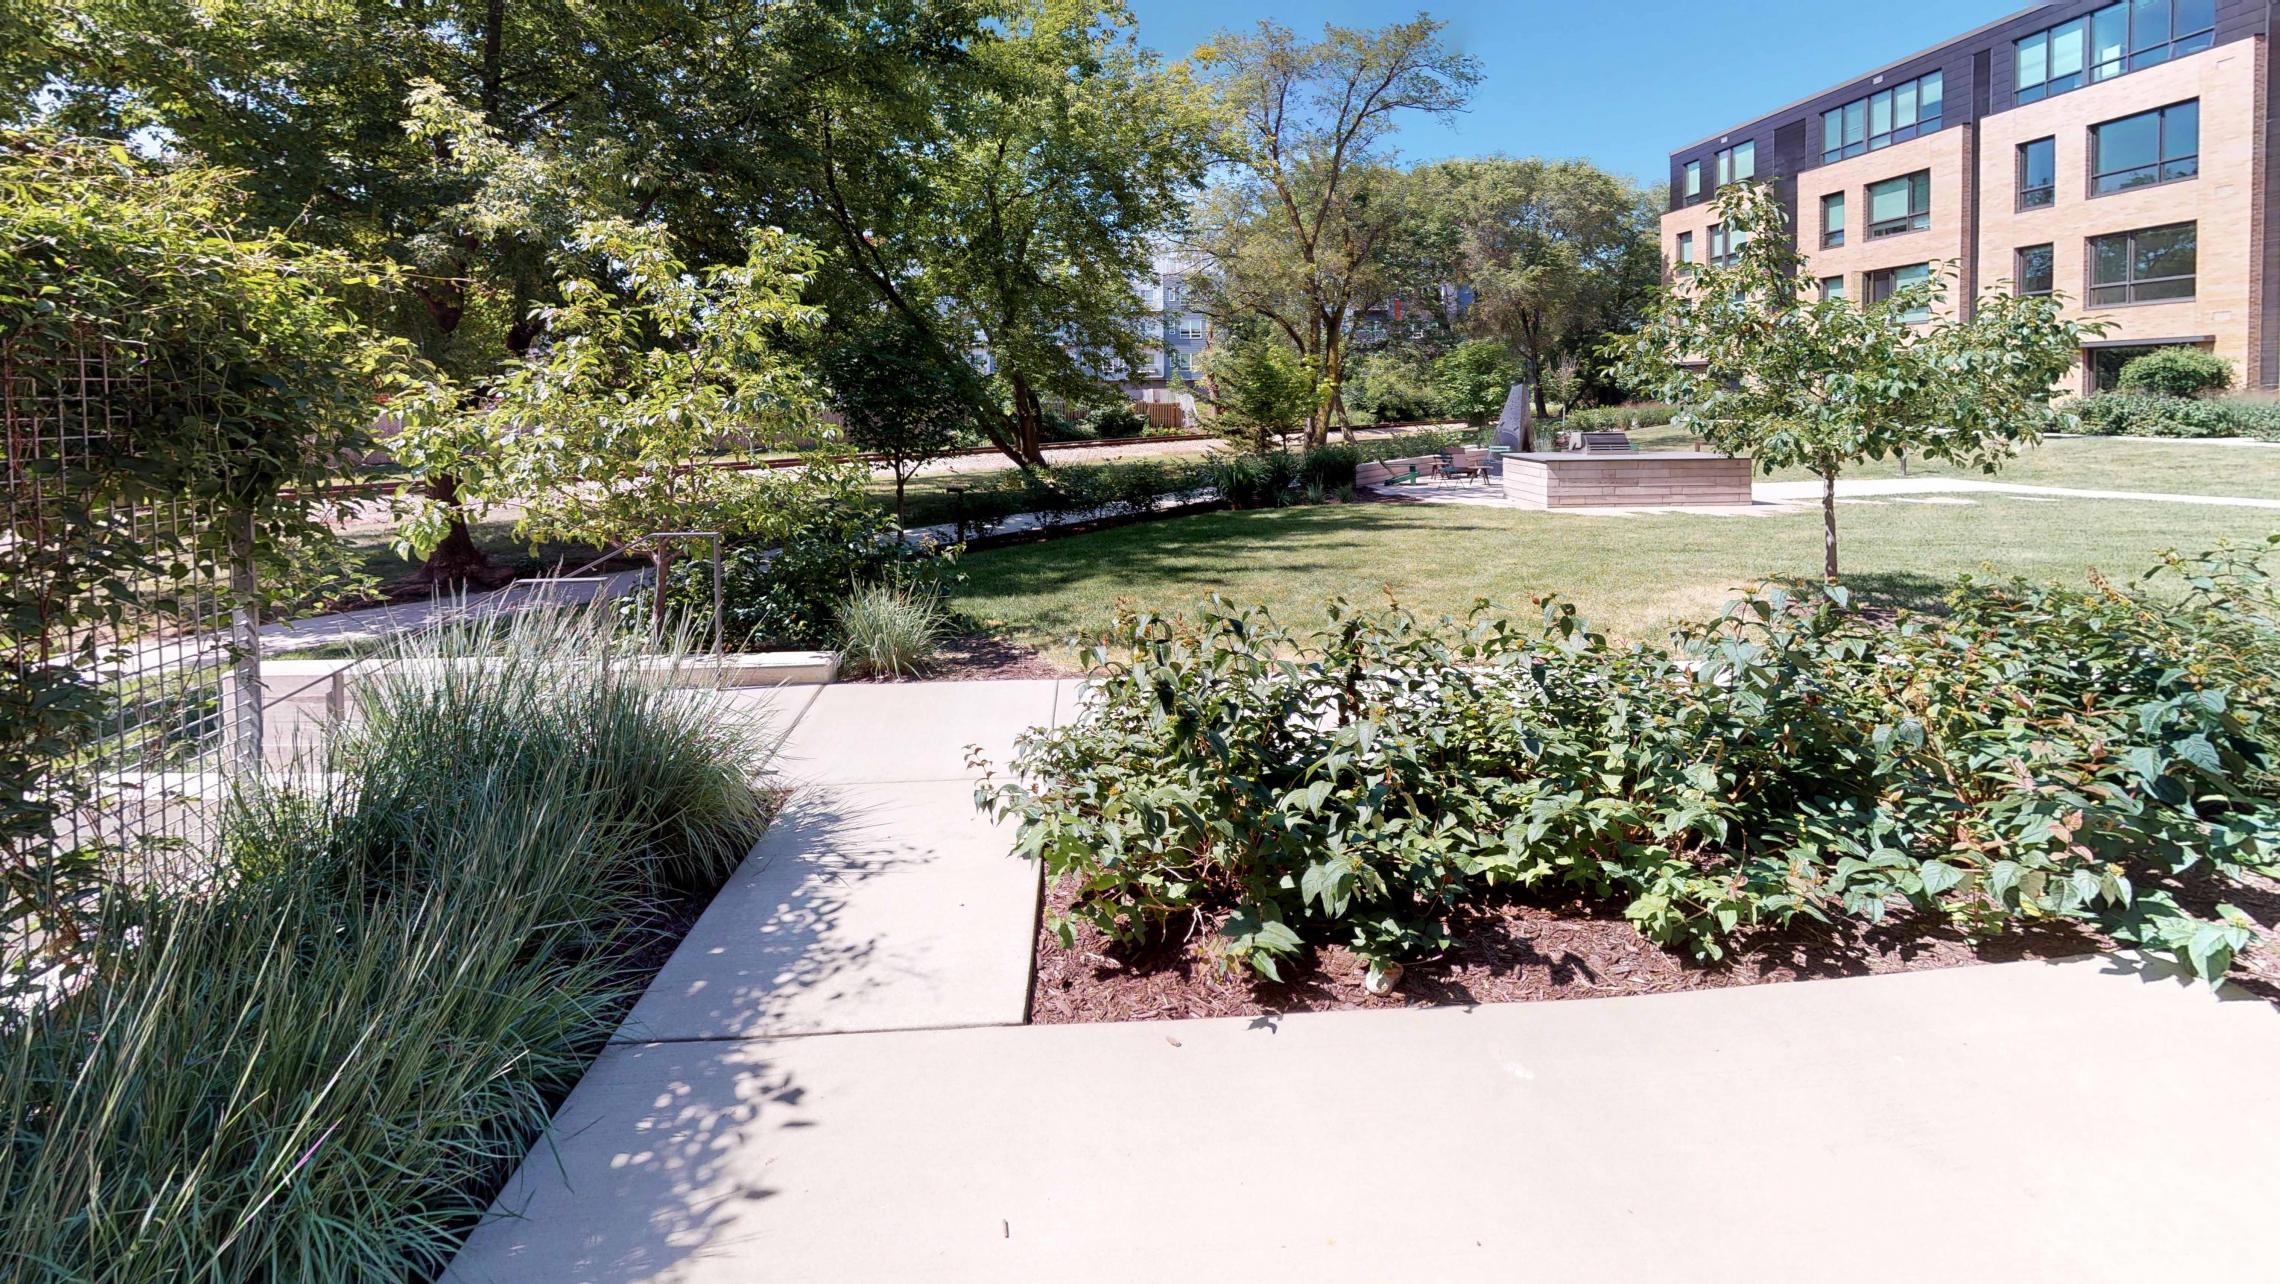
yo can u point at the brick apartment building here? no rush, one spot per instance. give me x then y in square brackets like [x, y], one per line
[2113, 152]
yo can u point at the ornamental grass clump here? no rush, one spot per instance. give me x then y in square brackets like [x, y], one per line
[891, 630]
[323, 1068]
[2101, 756]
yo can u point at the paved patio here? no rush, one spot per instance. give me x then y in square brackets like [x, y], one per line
[830, 1081]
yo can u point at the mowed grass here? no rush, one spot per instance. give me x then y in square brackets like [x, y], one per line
[2084, 463]
[1631, 576]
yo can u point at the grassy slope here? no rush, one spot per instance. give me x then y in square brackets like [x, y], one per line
[1630, 575]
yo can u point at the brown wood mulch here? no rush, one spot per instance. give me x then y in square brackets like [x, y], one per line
[1518, 953]
[978, 657]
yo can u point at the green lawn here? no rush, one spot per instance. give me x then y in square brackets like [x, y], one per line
[2087, 463]
[1631, 575]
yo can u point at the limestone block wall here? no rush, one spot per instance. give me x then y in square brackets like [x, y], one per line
[1617, 481]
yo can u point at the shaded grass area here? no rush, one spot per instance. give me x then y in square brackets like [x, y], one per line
[1629, 575]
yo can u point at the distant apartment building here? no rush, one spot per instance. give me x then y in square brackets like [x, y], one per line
[2116, 153]
[1175, 336]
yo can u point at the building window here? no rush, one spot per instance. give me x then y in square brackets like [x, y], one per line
[2031, 269]
[2161, 146]
[1832, 220]
[1832, 287]
[1191, 326]
[1685, 253]
[1895, 115]
[1693, 181]
[2038, 173]
[1736, 164]
[1726, 246]
[1882, 285]
[2151, 265]
[2120, 37]
[1899, 205]
[1183, 363]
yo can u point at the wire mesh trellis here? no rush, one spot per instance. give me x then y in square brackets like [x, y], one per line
[133, 677]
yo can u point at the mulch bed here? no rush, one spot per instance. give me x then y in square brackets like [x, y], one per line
[978, 657]
[1518, 953]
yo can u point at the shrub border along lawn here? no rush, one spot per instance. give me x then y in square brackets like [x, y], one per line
[324, 1067]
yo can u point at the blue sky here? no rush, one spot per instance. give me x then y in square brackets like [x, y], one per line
[1623, 83]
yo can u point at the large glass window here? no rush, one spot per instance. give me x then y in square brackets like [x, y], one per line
[1882, 285]
[1685, 252]
[2160, 146]
[1832, 220]
[1895, 115]
[2038, 173]
[1899, 205]
[1693, 181]
[2031, 271]
[1737, 164]
[2120, 37]
[2151, 265]
[1726, 245]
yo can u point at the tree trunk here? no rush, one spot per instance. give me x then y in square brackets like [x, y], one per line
[661, 557]
[1829, 526]
[456, 560]
[1028, 416]
[900, 478]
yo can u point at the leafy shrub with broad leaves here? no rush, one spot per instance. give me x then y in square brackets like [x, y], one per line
[2042, 754]
[2138, 414]
[2176, 372]
[1116, 421]
[787, 595]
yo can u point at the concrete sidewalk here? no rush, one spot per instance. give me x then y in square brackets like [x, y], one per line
[2021, 1122]
[829, 1081]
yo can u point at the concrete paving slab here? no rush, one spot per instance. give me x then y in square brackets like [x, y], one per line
[875, 733]
[2023, 1122]
[783, 706]
[864, 907]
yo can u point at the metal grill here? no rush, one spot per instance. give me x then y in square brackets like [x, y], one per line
[134, 792]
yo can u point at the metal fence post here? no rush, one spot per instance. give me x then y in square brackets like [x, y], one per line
[245, 650]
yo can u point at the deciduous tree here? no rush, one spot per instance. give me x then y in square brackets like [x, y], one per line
[1304, 235]
[1759, 364]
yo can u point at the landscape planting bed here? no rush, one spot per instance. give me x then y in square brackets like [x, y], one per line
[1525, 953]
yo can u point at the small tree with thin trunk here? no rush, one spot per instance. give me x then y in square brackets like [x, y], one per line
[887, 388]
[1759, 364]
[645, 372]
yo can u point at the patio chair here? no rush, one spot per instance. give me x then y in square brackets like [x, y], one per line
[1459, 463]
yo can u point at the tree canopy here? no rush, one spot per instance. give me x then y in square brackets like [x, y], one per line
[1306, 235]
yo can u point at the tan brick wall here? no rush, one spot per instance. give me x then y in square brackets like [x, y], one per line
[2225, 200]
[1694, 218]
[1945, 242]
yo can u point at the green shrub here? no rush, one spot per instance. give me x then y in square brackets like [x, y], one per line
[1474, 379]
[1392, 386]
[2042, 754]
[1116, 421]
[2137, 414]
[2176, 372]
[890, 631]
[786, 596]
[1618, 418]
[1328, 468]
[323, 1067]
